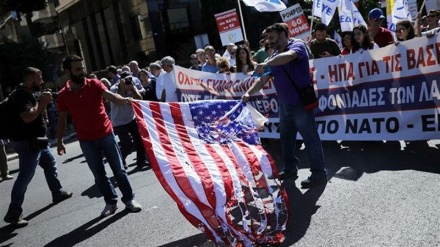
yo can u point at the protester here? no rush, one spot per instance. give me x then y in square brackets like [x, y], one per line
[223, 65]
[108, 85]
[113, 74]
[404, 30]
[322, 46]
[4, 172]
[169, 90]
[433, 26]
[361, 40]
[134, 68]
[262, 53]
[381, 36]
[82, 98]
[194, 62]
[149, 84]
[210, 65]
[230, 53]
[347, 38]
[244, 63]
[201, 57]
[28, 140]
[158, 72]
[291, 57]
[124, 122]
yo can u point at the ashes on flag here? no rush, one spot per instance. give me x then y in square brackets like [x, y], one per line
[207, 156]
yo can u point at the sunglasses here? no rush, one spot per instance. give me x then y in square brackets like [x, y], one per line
[432, 16]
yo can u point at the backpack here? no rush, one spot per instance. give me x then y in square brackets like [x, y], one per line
[7, 117]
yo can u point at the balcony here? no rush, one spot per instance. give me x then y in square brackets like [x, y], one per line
[52, 41]
[47, 13]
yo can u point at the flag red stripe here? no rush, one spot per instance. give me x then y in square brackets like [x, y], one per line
[173, 162]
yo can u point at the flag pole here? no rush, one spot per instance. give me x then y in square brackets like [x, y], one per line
[423, 5]
[241, 18]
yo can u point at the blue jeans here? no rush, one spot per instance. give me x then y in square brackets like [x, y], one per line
[294, 119]
[108, 146]
[28, 159]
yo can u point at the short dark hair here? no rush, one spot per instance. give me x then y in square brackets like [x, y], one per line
[112, 69]
[67, 62]
[433, 11]
[30, 71]
[279, 28]
[320, 27]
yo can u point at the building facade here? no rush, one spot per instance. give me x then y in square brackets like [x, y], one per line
[115, 32]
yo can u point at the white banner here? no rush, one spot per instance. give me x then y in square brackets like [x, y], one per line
[325, 9]
[296, 20]
[229, 27]
[391, 93]
[349, 16]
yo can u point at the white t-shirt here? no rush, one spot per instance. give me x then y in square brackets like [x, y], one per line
[159, 84]
[375, 46]
[169, 85]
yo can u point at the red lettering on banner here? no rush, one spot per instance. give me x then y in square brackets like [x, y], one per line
[340, 72]
[392, 63]
[424, 56]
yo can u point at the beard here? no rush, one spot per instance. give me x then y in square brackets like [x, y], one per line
[77, 79]
[36, 88]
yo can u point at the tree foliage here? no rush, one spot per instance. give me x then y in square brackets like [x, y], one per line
[24, 6]
[17, 56]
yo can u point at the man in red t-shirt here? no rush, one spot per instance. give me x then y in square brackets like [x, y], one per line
[83, 99]
[381, 36]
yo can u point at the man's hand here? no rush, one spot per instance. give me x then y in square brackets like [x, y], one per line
[45, 98]
[260, 68]
[60, 148]
[245, 97]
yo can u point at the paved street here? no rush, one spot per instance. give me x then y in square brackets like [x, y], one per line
[378, 195]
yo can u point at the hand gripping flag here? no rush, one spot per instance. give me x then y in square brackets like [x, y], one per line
[266, 5]
[206, 154]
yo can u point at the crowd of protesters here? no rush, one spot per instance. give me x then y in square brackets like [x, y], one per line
[112, 113]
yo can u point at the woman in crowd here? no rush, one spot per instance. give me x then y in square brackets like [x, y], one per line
[404, 30]
[244, 63]
[347, 43]
[223, 65]
[149, 84]
[361, 40]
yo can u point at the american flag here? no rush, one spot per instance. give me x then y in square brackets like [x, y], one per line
[206, 154]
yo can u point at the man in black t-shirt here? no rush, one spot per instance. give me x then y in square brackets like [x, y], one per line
[31, 146]
[322, 46]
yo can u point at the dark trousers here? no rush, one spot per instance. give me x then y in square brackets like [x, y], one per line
[128, 135]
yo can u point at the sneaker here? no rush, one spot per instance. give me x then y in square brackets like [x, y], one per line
[312, 182]
[7, 177]
[15, 220]
[133, 206]
[109, 209]
[285, 174]
[61, 197]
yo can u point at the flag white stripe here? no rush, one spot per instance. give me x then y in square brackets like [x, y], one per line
[166, 172]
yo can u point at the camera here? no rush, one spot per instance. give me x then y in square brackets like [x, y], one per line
[128, 80]
[49, 91]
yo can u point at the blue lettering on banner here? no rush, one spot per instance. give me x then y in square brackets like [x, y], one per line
[381, 96]
[345, 18]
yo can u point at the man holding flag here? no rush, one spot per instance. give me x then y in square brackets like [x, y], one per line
[291, 61]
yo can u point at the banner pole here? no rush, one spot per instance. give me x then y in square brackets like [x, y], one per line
[241, 18]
